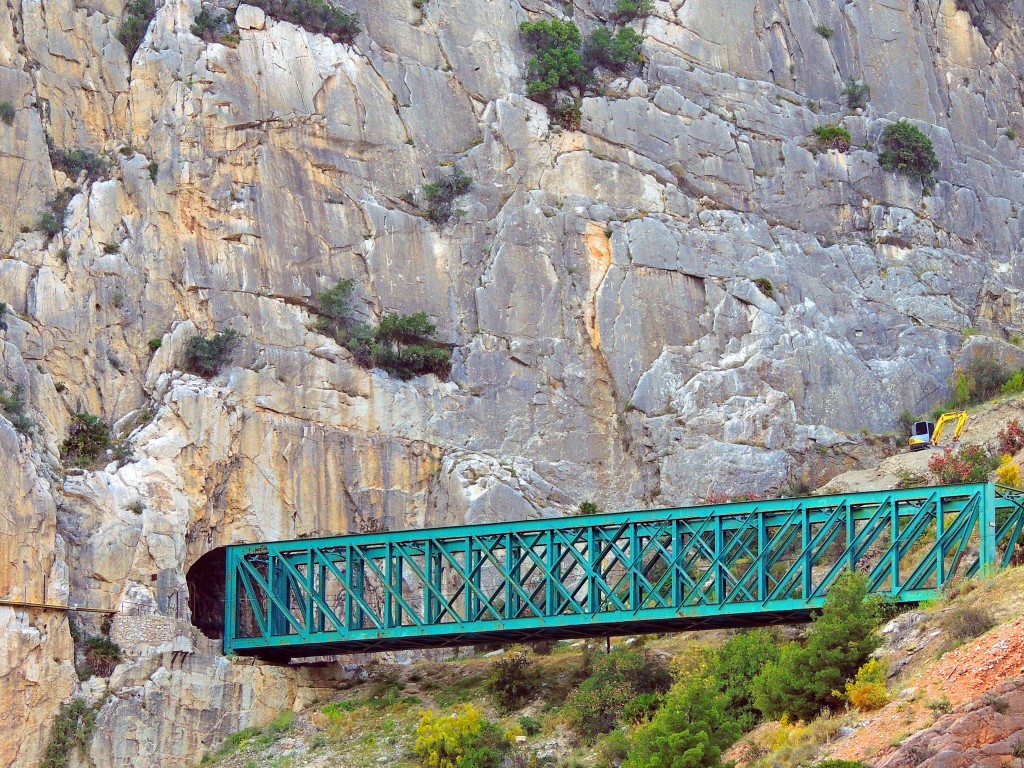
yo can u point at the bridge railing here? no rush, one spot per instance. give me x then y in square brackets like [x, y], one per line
[717, 565]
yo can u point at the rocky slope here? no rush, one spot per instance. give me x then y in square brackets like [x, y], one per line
[682, 295]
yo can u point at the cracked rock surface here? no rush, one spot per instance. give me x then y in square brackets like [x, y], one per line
[684, 296]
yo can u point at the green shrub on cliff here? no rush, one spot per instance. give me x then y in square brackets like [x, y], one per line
[809, 678]
[906, 149]
[206, 356]
[318, 16]
[137, 16]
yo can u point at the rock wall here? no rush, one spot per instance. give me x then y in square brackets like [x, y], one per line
[683, 295]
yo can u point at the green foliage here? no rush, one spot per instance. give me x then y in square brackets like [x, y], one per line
[905, 148]
[857, 93]
[867, 690]
[318, 16]
[981, 379]
[51, 218]
[530, 725]
[692, 728]
[73, 162]
[402, 345]
[642, 708]
[557, 61]
[88, 440]
[832, 136]
[13, 406]
[464, 739]
[612, 51]
[138, 15]
[7, 112]
[154, 344]
[567, 113]
[809, 678]
[1015, 384]
[206, 356]
[765, 286]
[617, 678]
[513, 680]
[442, 193]
[589, 508]
[839, 764]
[965, 622]
[905, 423]
[70, 735]
[736, 665]
[627, 10]
[206, 22]
[3, 319]
[154, 169]
[102, 654]
[824, 31]
[970, 464]
[336, 302]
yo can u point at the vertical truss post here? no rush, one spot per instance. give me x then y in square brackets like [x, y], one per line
[805, 533]
[594, 559]
[940, 546]
[230, 598]
[719, 574]
[894, 538]
[987, 528]
[512, 602]
[428, 577]
[762, 560]
[676, 550]
[634, 566]
[851, 534]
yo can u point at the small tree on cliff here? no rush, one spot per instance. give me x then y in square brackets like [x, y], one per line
[809, 678]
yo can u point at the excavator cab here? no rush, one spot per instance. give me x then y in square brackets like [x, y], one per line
[921, 435]
[928, 433]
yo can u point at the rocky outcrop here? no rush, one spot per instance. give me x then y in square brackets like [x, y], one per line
[684, 295]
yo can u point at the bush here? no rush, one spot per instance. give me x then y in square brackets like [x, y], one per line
[336, 302]
[70, 735]
[463, 739]
[317, 16]
[102, 654]
[557, 62]
[970, 464]
[138, 15]
[840, 764]
[824, 31]
[206, 356]
[857, 93]
[73, 162]
[512, 680]
[3, 318]
[980, 380]
[832, 136]
[617, 678]
[530, 725]
[908, 150]
[691, 730]
[51, 218]
[807, 679]
[736, 664]
[1015, 384]
[612, 51]
[967, 622]
[589, 508]
[7, 112]
[88, 440]
[442, 193]
[867, 690]
[1011, 437]
[206, 22]
[642, 708]
[155, 343]
[13, 406]
[402, 345]
[567, 114]
[1007, 472]
[627, 10]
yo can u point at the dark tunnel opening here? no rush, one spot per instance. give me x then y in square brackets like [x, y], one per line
[206, 592]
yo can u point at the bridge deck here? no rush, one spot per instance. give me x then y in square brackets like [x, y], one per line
[724, 565]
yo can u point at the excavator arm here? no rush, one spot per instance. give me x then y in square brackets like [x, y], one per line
[960, 417]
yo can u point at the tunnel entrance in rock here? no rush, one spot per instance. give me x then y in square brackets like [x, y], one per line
[206, 592]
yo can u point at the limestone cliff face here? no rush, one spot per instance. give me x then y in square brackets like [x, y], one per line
[681, 296]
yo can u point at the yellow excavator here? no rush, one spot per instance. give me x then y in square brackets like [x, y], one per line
[928, 433]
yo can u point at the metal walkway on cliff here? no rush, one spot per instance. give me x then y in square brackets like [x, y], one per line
[721, 565]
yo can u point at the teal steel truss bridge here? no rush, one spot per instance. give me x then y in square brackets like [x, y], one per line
[722, 565]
